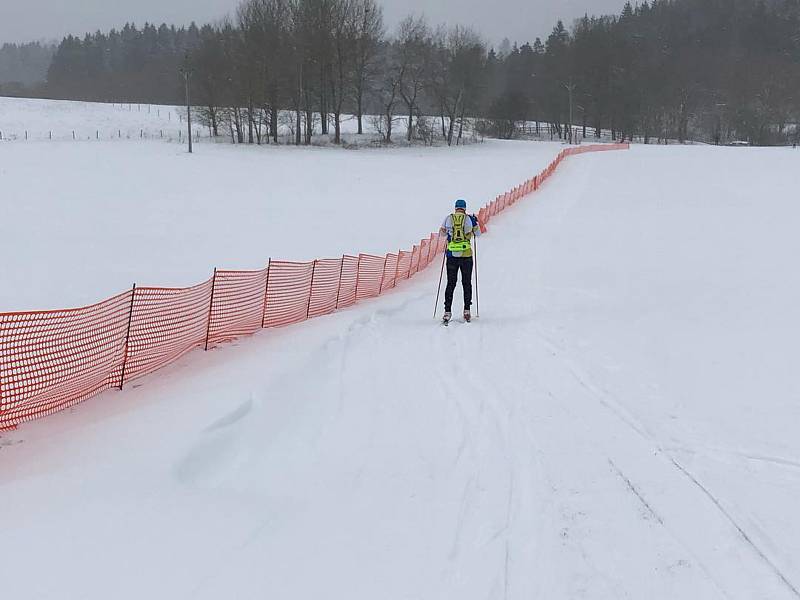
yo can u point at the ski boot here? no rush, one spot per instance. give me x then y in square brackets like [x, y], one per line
[467, 316]
[446, 318]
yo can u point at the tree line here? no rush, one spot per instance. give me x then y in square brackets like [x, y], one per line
[667, 69]
[24, 65]
[321, 59]
[130, 64]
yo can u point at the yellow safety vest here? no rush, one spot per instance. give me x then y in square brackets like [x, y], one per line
[459, 241]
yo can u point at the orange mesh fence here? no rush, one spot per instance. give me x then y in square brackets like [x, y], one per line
[370, 275]
[431, 252]
[238, 305]
[288, 292]
[50, 360]
[165, 324]
[389, 278]
[324, 287]
[424, 254]
[403, 265]
[414, 268]
[347, 287]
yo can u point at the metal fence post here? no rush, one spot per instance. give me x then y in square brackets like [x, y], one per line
[127, 338]
[430, 243]
[311, 289]
[383, 274]
[266, 291]
[358, 273]
[1, 396]
[339, 289]
[211, 305]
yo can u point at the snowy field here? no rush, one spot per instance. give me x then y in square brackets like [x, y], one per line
[44, 120]
[36, 120]
[92, 218]
[621, 422]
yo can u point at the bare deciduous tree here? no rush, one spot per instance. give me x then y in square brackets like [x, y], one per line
[456, 79]
[368, 36]
[415, 50]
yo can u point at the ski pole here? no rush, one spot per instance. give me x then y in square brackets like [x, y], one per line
[475, 255]
[439, 289]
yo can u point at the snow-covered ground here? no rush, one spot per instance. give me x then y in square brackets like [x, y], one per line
[84, 221]
[36, 120]
[619, 423]
[44, 120]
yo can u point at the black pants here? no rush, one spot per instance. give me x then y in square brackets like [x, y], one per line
[454, 265]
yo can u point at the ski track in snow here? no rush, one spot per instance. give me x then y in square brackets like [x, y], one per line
[374, 453]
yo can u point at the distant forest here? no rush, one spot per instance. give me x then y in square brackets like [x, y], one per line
[25, 65]
[711, 70]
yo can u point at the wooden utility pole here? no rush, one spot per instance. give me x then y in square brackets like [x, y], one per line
[187, 70]
[570, 87]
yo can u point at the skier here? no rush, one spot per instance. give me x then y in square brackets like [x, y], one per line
[459, 228]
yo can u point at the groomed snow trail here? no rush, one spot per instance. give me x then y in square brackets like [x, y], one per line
[564, 445]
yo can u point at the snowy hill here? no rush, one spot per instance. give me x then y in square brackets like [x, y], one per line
[46, 120]
[620, 422]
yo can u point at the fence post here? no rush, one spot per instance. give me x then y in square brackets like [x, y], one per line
[396, 268]
[358, 273]
[311, 289]
[1, 398]
[211, 305]
[383, 274]
[127, 338]
[266, 291]
[339, 289]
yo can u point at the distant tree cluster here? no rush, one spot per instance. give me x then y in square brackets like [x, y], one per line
[324, 58]
[136, 65]
[677, 69]
[24, 65]
[722, 70]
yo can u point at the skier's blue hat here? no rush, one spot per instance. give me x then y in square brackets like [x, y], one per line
[461, 203]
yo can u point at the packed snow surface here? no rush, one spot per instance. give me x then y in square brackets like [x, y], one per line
[620, 422]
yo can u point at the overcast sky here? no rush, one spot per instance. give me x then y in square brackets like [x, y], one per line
[521, 20]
